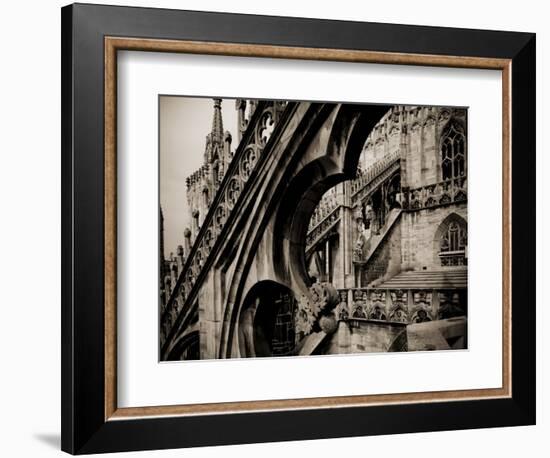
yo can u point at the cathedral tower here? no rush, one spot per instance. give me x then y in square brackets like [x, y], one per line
[203, 184]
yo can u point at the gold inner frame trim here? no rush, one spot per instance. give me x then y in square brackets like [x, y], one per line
[114, 44]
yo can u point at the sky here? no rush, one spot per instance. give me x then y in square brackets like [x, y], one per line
[184, 124]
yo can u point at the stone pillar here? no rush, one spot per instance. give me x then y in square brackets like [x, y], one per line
[196, 224]
[327, 261]
[209, 326]
[346, 237]
[240, 106]
[435, 303]
[410, 303]
[226, 154]
[187, 244]
[179, 258]
[344, 338]
[173, 274]
[388, 303]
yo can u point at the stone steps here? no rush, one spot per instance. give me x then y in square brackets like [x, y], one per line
[428, 279]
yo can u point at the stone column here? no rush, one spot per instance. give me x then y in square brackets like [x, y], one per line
[344, 338]
[187, 244]
[410, 303]
[346, 237]
[435, 303]
[327, 260]
[179, 258]
[196, 224]
[388, 303]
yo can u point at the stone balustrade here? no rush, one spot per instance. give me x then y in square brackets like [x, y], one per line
[366, 177]
[442, 193]
[318, 232]
[398, 305]
[329, 202]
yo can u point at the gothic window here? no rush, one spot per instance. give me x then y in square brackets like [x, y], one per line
[452, 243]
[269, 328]
[453, 152]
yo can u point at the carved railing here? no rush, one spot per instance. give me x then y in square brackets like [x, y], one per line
[329, 202]
[398, 305]
[374, 176]
[262, 122]
[442, 193]
[327, 213]
[321, 229]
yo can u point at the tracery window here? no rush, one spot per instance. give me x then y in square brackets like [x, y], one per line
[453, 245]
[453, 152]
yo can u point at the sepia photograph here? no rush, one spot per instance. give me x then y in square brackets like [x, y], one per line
[299, 228]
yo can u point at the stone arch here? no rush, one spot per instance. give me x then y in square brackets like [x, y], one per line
[398, 313]
[393, 188]
[338, 161]
[266, 321]
[186, 347]
[322, 149]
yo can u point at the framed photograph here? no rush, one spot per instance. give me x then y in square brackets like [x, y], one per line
[281, 228]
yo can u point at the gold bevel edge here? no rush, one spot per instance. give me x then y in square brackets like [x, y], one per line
[112, 45]
[110, 196]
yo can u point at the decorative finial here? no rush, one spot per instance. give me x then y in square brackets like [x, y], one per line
[217, 122]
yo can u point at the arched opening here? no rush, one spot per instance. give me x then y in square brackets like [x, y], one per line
[339, 162]
[393, 191]
[266, 325]
[451, 242]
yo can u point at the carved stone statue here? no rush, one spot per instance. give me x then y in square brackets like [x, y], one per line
[315, 310]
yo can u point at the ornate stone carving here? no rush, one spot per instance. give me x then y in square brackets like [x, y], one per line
[316, 309]
[342, 310]
[328, 323]
[430, 121]
[305, 318]
[441, 193]
[219, 218]
[233, 192]
[265, 128]
[444, 115]
[248, 162]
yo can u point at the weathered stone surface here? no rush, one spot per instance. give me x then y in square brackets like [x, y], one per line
[311, 343]
[438, 335]
[370, 336]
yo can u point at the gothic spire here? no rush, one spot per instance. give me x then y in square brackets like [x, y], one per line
[217, 122]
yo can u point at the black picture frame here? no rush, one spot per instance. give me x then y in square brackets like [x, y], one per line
[84, 426]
